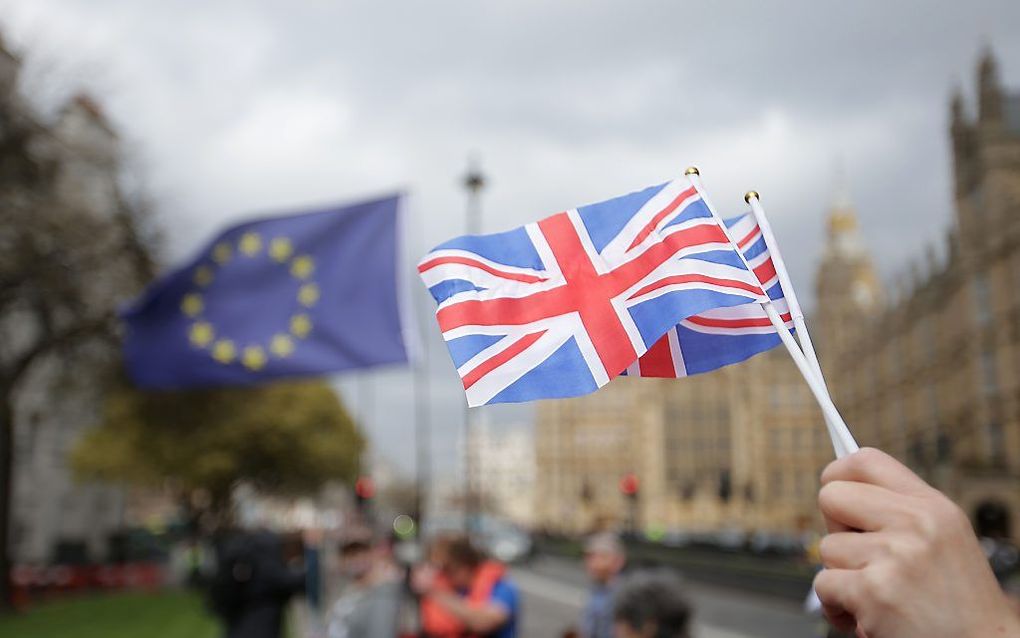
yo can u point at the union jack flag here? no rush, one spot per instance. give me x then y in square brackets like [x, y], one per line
[721, 336]
[560, 307]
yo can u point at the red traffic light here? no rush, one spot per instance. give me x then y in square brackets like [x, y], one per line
[629, 484]
[364, 487]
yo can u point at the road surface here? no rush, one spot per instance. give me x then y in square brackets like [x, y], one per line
[553, 592]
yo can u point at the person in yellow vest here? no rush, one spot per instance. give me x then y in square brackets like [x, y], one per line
[464, 594]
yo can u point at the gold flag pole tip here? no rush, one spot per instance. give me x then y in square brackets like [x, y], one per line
[749, 195]
[692, 170]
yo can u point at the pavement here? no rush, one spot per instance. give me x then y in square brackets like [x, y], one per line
[554, 590]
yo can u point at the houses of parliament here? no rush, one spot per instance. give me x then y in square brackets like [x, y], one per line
[932, 377]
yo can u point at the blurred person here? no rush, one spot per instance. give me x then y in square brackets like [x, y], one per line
[651, 605]
[369, 605]
[604, 559]
[253, 584]
[992, 525]
[901, 559]
[464, 594]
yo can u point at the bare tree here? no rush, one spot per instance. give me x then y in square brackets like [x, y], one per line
[63, 271]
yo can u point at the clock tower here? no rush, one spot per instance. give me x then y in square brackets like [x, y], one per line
[846, 286]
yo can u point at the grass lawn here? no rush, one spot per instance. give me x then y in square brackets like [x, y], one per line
[169, 614]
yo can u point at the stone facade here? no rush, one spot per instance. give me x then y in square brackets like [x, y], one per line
[737, 448]
[503, 478]
[932, 376]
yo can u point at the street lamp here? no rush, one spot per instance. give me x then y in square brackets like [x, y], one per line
[474, 181]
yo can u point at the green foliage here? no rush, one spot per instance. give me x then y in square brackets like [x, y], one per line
[285, 437]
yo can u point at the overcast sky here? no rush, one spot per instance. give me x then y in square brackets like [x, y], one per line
[236, 107]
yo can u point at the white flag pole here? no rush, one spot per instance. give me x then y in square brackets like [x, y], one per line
[846, 444]
[814, 383]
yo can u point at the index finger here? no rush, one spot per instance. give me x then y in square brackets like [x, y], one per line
[869, 465]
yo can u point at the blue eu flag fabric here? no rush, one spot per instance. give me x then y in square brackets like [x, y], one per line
[303, 294]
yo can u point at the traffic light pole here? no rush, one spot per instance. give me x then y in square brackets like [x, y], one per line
[630, 487]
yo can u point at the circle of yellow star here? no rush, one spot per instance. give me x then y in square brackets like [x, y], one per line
[280, 249]
[250, 244]
[300, 326]
[308, 294]
[201, 333]
[203, 276]
[192, 304]
[253, 357]
[281, 345]
[224, 351]
[222, 252]
[302, 267]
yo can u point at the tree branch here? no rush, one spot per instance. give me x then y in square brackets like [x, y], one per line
[58, 339]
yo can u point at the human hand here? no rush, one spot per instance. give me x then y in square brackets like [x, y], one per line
[901, 559]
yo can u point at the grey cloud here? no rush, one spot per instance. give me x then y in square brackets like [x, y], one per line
[254, 106]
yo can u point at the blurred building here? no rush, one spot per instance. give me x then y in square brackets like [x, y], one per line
[737, 448]
[54, 517]
[503, 471]
[931, 375]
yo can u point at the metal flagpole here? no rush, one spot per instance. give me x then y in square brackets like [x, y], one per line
[796, 313]
[422, 409]
[423, 434]
[841, 434]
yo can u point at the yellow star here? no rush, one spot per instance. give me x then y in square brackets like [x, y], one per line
[308, 294]
[280, 249]
[222, 252]
[201, 333]
[300, 326]
[224, 351]
[192, 305]
[203, 276]
[302, 267]
[281, 345]
[250, 244]
[254, 358]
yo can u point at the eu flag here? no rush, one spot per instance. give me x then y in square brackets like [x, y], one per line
[303, 294]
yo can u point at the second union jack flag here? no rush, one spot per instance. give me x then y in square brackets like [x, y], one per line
[722, 336]
[560, 307]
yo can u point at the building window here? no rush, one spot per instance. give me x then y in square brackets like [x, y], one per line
[776, 395]
[799, 486]
[933, 404]
[929, 339]
[995, 438]
[943, 447]
[777, 483]
[982, 300]
[989, 377]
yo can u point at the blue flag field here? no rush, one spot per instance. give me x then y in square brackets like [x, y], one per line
[294, 295]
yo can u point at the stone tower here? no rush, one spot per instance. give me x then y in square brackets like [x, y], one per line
[986, 162]
[985, 261]
[847, 288]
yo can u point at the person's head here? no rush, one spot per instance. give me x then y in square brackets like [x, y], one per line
[604, 557]
[458, 559]
[651, 605]
[356, 558]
